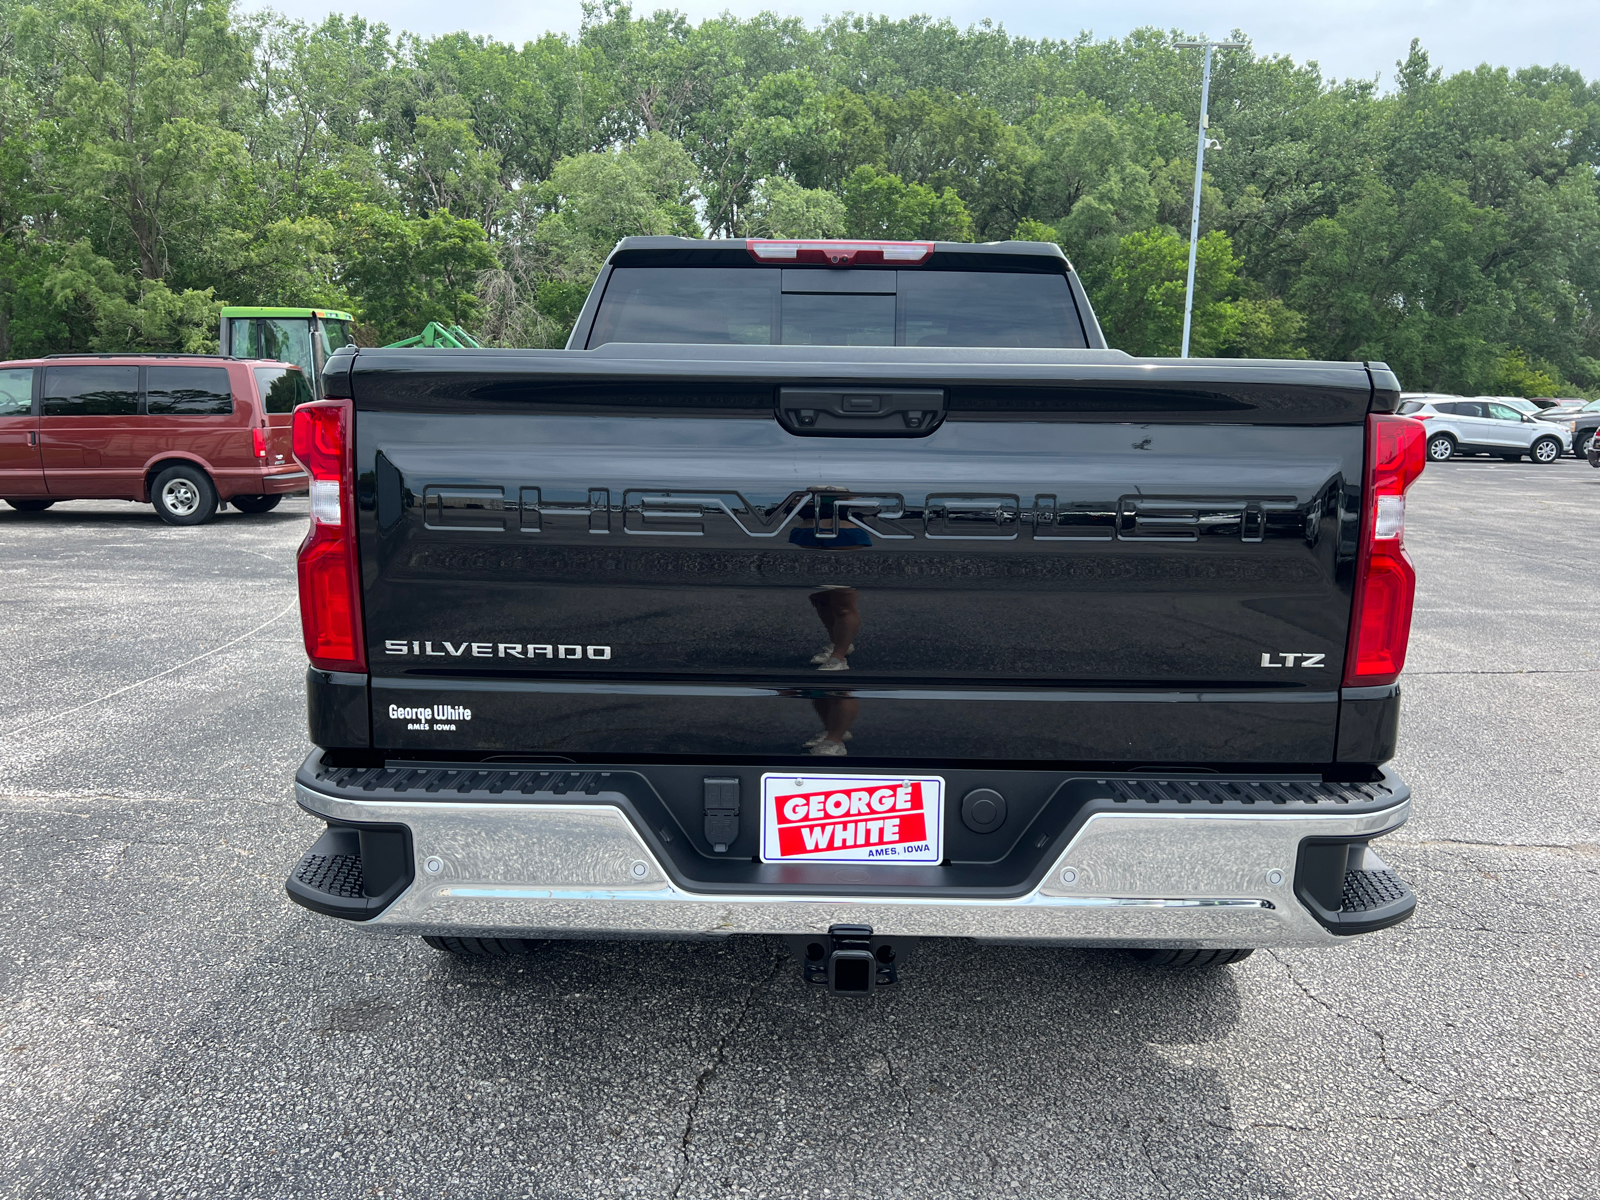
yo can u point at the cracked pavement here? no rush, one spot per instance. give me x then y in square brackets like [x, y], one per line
[173, 1027]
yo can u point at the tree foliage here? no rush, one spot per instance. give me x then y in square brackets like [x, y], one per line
[161, 157]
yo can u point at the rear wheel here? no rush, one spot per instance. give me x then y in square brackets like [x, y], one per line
[1545, 450]
[470, 947]
[29, 505]
[1189, 958]
[1441, 447]
[183, 495]
[1581, 444]
[254, 504]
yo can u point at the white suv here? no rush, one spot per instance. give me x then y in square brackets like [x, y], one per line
[1484, 425]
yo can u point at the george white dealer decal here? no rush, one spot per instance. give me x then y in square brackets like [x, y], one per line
[524, 650]
[435, 717]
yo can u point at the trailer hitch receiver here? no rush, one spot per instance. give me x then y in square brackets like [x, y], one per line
[850, 960]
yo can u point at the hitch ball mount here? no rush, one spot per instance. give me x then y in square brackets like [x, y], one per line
[849, 960]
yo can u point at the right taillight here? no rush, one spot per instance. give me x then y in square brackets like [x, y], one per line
[330, 570]
[1386, 582]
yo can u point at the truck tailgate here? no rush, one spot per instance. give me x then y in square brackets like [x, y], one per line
[1089, 558]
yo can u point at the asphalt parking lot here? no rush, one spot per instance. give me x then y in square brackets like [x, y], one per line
[174, 1027]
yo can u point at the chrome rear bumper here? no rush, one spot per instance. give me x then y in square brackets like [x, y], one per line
[566, 870]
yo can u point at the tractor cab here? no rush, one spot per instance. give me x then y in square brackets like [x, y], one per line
[304, 336]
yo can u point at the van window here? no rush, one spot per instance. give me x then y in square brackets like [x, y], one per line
[188, 391]
[91, 391]
[282, 388]
[16, 392]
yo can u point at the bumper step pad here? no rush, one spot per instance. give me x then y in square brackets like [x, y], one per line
[353, 872]
[332, 874]
[1369, 894]
[1375, 892]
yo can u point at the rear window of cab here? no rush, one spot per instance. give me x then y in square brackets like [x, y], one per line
[833, 307]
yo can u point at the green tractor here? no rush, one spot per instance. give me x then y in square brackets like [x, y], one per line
[435, 336]
[304, 336]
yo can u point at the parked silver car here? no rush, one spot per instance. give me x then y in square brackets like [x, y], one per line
[1485, 425]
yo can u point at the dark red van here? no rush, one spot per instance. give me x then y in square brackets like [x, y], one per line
[184, 432]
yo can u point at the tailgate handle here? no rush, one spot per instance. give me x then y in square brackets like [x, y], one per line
[860, 412]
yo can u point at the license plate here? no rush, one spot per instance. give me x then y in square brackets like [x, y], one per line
[852, 818]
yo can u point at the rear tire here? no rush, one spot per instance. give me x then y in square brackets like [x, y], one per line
[470, 947]
[1189, 958]
[1441, 448]
[183, 495]
[1580, 448]
[29, 505]
[254, 504]
[1545, 450]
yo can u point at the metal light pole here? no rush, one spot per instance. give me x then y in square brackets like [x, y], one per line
[1199, 165]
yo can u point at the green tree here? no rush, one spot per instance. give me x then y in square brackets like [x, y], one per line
[110, 311]
[1443, 222]
[137, 125]
[1516, 376]
[1402, 277]
[589, 203]
[1142, 308]
[592, 201]
[408, 271]
[880, 205]
[1087, 186]
[783, 209]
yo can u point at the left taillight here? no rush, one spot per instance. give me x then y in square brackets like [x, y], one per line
[258, 443]
[1386, 582]
[330, 569]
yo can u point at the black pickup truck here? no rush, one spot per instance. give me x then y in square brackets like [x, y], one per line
[853, 593]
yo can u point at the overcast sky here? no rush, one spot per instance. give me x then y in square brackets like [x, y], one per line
[1347, 37]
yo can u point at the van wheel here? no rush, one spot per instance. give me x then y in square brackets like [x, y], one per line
[29, 505]
[1441, 448]
[254, 504]
[1545, 450]
[1189, 958]
[183, 495]
[469, 947]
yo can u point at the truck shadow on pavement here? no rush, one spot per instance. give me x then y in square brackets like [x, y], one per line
[333, 1063]
[987, 1070]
